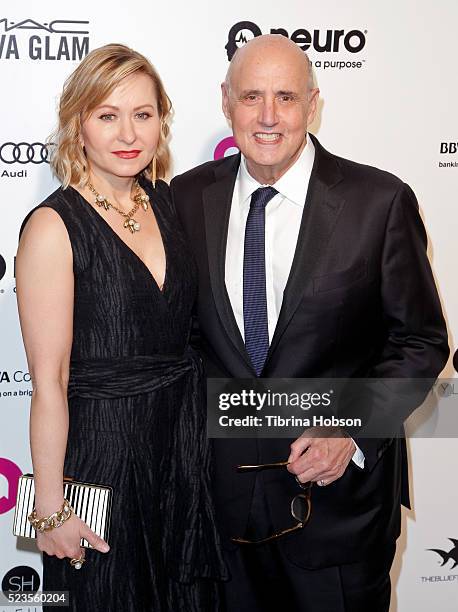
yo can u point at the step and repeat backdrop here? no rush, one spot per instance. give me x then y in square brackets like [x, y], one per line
[389, 98]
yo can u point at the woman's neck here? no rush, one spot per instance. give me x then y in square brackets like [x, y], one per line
[116, 189]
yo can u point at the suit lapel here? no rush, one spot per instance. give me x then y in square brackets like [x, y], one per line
[217, 199]
[319, 218]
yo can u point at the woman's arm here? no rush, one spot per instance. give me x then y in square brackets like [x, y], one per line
[45, 284]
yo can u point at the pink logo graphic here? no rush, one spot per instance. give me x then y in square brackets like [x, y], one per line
[223, 146]
[9, 477]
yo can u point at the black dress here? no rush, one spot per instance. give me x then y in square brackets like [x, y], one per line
[137, 421]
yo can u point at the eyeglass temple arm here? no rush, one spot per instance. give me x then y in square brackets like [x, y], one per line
[262, 465]
[270, 538]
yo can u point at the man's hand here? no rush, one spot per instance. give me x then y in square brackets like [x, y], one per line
[321, 459]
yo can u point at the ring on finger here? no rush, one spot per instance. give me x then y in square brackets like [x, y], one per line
[78, 563]
[321, 483]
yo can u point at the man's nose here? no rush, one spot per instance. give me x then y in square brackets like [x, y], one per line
[268, 114]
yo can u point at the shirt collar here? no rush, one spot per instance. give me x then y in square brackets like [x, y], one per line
[292, 185]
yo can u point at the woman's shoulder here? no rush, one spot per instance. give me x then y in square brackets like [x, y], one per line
[51, 213]
[43, 232]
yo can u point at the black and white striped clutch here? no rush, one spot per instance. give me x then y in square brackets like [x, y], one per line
[91, 503]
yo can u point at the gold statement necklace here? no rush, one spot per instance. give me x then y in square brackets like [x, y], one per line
[139, 198]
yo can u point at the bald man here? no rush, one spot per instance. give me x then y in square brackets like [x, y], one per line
[310, 265]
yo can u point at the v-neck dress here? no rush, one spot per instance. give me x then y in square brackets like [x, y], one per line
[137, 421]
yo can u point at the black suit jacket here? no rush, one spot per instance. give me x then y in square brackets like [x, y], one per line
[360, 302]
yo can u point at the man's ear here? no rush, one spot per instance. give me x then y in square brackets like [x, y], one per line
[225, 100]
[312, 105]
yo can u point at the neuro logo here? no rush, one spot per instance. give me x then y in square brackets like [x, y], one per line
[21, 579]
[9, 478]
[455, 360]
[446, 556]
[2, 267]
[239, 34]
[224, 146]
[321, 41]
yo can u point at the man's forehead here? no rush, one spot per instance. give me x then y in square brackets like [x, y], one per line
[273, 64]
[271, 78]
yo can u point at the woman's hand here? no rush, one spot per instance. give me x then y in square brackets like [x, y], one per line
[64, 541]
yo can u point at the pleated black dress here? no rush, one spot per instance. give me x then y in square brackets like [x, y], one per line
[137, 421]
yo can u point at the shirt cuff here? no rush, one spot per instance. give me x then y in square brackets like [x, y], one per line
[358, 456]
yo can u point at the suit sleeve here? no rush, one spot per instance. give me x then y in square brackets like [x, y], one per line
[416, 345]
[194, 334]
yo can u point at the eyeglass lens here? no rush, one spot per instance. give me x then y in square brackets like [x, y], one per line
[300, 508]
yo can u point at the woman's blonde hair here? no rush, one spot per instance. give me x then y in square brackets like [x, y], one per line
[92, 82]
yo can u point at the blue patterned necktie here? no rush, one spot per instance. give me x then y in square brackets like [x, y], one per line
[254, 280]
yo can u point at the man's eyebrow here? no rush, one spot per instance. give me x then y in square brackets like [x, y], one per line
[251, 92]
[259, 92]
[284, 92]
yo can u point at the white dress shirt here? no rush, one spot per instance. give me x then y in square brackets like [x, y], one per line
[283, 219]
[282, 222]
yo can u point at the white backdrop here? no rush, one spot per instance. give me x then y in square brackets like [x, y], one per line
[394, 108]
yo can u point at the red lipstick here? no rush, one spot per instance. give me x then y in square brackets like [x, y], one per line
[127, 154]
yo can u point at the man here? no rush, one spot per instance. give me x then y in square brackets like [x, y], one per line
[325, 275]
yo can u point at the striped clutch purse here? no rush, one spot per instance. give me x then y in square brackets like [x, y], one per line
[91, 503]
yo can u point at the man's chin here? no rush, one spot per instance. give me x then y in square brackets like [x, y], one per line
[265, 159]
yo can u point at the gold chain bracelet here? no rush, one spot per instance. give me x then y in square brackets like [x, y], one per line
[57, 519]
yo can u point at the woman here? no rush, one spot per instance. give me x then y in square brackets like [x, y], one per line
[105, 286]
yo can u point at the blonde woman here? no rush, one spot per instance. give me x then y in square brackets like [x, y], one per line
[105, 287]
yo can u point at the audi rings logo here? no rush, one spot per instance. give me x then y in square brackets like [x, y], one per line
[24, 153]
